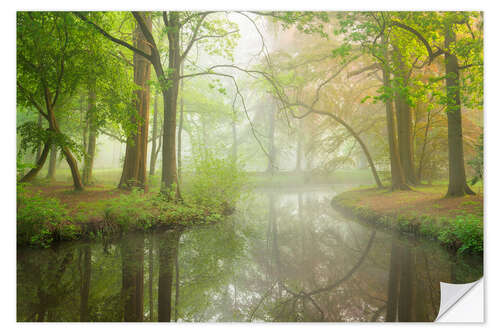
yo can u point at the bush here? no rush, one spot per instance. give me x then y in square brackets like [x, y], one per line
[40, 220]
[215, 183]
[464, 233]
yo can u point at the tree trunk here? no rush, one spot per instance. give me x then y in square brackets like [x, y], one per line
[404, 121]
[92, 137]
[51, 173]
[457, 186]
[134, 167]
[271, 164]
[39, 164]
[179, 133]
[40, 148]
[298, 161]
[397, 175]
[170, 94]
[152, 161]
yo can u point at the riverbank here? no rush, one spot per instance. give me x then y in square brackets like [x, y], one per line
[54, 213]
[456, 223]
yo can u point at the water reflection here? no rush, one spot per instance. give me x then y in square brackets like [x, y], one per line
[282, 257]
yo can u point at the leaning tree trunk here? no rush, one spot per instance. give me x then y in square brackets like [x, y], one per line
[40, 148]
[39, 164]
[457, 186]
[51, 173]
[134, 166]
[73, 165]
[92, 137]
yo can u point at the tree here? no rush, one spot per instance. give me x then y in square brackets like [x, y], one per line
[169, 78]
[134, 167]
[48, 48]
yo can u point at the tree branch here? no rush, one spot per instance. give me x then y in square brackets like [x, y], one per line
[113, 39]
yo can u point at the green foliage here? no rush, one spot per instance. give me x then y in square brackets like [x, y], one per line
[40, 220]
[464, 232]
[133, 210]
[215, 182]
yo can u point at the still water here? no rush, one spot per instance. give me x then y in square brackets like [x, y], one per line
[285, 255]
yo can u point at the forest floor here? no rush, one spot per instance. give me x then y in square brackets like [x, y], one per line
[456, 222]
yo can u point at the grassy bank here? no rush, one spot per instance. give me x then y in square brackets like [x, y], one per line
[53, 213]
[456, 222]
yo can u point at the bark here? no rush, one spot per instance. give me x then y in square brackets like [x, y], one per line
[170, 94]
[152, 162]
[40, 148]
[134, 167]
[39, 164]
[424, 146]
[404, 121]
[167, 251]
[397, 174]
[51, 173]
[457, 186]
[92, 136]
[179, 134]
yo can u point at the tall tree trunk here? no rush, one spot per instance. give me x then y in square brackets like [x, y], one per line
[397, 174]
[170, 94]
[92, 137]
[179, 133]
[51, 173]
[404, 120]
[457, 186]
[152, 161]
[134, 167]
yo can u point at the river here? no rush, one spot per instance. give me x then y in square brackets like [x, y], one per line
[285, 255]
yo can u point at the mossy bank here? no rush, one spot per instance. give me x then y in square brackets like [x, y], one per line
[456, 223]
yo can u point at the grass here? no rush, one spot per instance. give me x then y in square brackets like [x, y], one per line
[455, 222]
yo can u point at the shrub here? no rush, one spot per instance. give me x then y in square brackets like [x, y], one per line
[39, 219]
[215, 183]
[465, 233]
